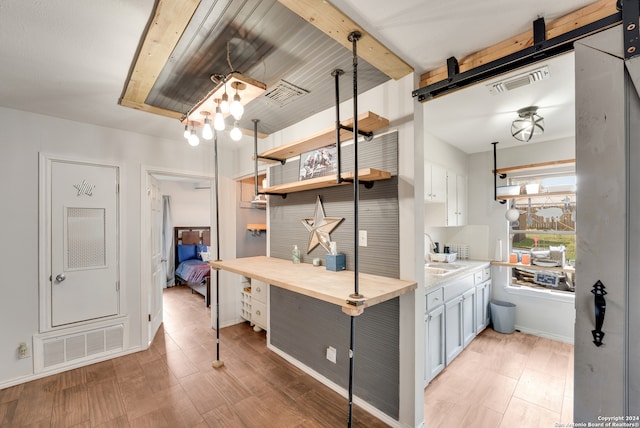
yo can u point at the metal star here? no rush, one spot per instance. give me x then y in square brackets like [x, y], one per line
[320, 227]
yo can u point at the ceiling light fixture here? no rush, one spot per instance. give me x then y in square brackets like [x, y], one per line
[236, 133]
[214, 101]
[528, 124]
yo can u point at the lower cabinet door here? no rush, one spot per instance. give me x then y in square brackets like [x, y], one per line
[434, 355]
[454, 341]
[468, 316]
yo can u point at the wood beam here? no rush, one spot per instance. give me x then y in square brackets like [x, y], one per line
[170, 18]
[587, 15]
[335, 24]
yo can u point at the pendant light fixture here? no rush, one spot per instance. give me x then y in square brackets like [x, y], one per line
[214, 101]
[528, 124]
[236, 133]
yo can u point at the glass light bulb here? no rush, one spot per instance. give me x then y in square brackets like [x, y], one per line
[236, 109]
[186, 132]
[224, 104]
[207, 132]
[193, 138]
[236, 133]
[218, 120]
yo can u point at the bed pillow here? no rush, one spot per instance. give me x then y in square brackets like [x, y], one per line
[200, 248]
[186, 252]
[205, 256]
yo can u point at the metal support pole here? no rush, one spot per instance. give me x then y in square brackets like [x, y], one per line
[353, 38]
[495, 174]
[255, 156]
[218, 362]
[336, 75]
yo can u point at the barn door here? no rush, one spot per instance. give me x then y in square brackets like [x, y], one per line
[84, 236]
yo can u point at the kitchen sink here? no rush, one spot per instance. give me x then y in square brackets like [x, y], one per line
[441, 269]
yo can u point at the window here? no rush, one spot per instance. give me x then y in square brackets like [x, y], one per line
[545, 230]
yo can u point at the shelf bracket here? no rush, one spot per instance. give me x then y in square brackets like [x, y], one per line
[284, 195]
[367, 184]
[496, 175]
[269, 158]
[368, 135]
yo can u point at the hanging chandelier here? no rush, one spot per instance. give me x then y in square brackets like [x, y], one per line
[216, 104]
[528, 124]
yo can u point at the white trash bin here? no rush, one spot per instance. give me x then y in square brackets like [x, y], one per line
[503, 316]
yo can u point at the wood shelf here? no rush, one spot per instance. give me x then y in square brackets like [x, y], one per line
[569, 269]
[534, 195]
[534, 166]
[318, 282]
[256, 226]
[367, 122]
[364, 175]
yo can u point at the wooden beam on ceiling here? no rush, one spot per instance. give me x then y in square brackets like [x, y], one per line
[170, 18]
[335, 24]
[587, 15]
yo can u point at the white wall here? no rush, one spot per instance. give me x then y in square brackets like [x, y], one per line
[24, 136]
[189, 206]
[537, 315]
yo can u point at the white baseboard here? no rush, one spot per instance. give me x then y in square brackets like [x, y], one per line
[544, 334]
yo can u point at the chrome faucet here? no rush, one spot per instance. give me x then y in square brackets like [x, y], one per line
[428, 246]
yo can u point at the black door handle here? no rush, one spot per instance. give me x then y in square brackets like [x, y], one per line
[599, 306]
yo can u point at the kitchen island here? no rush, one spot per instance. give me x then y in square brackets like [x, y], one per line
[319, 283]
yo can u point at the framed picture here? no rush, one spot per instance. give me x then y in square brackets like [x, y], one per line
[319, 162]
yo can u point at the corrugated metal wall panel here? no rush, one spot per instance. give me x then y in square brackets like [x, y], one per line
[308, 326]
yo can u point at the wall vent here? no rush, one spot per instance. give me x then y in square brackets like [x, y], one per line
[72, 348]
[284, 93]
[524, 79]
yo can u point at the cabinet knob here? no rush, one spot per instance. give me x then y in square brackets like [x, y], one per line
[258, 289]
[258, 312]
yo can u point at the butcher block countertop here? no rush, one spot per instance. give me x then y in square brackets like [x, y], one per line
[318, 282]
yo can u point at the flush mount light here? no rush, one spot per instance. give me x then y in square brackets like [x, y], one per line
[528, 124]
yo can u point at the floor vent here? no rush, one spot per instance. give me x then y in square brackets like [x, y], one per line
[284, 93]
[71, 348]
[519, 81]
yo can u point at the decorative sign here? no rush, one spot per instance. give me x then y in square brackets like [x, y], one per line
[319, 227]
[547, 279]
[84, 188]
[318, 163]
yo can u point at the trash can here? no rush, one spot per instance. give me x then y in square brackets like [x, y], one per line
[503, 316]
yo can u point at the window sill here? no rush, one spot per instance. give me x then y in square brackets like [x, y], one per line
[539, 293]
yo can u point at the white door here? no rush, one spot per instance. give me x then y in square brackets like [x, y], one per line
[84, 242]
[157, 271]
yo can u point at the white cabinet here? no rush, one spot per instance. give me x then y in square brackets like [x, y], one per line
[455, 313]
[454, 341]
[456, 199]
[435, 183]
[259, 291]
[254, 304]
[435, 347]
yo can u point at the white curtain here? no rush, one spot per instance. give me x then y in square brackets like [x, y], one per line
[168, 247]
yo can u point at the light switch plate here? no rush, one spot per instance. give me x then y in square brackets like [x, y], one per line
[362, 238]
[331, 354]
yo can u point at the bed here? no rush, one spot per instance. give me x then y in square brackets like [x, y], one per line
[192, 259]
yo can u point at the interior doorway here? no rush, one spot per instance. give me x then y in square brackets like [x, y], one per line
[189, 199]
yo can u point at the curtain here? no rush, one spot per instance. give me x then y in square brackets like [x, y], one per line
[168, 247]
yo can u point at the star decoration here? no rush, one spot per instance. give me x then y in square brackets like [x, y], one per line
[320, 227]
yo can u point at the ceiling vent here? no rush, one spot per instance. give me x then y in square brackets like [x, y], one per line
[284, 93]
[519, 81]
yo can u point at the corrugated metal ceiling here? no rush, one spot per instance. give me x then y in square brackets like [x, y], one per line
[267, 42]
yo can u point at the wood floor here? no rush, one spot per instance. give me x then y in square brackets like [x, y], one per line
[498, 381]
[504, 380]
[173, 385]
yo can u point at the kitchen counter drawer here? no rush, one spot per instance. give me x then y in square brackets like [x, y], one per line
[435, 299]
[259, 290]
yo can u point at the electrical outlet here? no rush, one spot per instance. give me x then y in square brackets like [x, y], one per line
[331, 354]
[23, 350]
[362, 238]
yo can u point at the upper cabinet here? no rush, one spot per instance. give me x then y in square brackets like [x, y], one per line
[435, 183]
[456, 199]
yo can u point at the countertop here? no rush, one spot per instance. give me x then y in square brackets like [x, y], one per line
[432, 281]
[318, 282]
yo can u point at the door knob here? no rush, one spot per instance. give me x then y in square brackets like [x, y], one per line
[60, 277]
